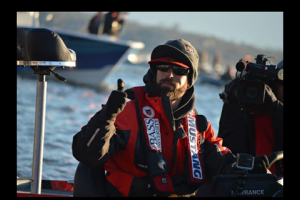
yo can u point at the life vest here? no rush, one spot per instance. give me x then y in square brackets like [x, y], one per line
[161, 161]
[153, 118]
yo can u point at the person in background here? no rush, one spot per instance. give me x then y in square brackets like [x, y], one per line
[122, 16]
[96, 24]
[229, 75]
[110, 23]
[254, 129]
[217, 66]
[114, 22]
[156, 144]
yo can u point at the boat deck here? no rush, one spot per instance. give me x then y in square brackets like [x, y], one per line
[24, 187]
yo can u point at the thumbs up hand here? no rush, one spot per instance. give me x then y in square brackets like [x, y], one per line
[116, 102]
[121, 85]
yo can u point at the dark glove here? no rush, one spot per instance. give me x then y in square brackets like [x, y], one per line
[107, 116]
[261, 164]
[115, 103]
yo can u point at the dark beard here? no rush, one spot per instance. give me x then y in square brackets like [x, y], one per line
[173, 93]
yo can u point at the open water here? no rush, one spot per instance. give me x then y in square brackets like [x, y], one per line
[69, 107]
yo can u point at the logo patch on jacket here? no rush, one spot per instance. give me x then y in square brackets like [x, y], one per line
[153, 131]
[192, 131]
[162, 164]
[192, 112]
[148, 111]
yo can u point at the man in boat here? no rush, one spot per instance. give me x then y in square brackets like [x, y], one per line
[110, 23]
[156, 144]
[254, 129]
[96, 24]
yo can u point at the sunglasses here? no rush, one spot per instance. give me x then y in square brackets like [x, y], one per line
[176, 69]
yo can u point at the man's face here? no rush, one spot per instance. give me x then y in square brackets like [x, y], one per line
[170, 84]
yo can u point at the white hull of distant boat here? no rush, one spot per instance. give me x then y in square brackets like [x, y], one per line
[97, 57]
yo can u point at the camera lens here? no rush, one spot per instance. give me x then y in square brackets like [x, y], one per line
[251, 92]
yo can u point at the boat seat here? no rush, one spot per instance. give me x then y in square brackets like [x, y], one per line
[89, 182]
[43, 47]
[22, 51]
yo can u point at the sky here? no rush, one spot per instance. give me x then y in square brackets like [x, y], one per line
[259, 29]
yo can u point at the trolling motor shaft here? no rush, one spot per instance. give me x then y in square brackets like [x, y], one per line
[38, 144]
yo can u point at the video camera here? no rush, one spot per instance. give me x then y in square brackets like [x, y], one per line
[254, 76]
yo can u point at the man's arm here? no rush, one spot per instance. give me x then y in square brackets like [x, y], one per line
[99, 138]
[97, 141]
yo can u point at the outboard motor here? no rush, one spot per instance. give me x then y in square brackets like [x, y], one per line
[42, 50]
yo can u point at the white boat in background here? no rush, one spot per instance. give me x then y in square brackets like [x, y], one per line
[97, 56]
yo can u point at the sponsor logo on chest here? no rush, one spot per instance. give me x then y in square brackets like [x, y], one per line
[192, 134]
[148, 111]
[153, 131]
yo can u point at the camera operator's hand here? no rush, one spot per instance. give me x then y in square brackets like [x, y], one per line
[261, 165]
[270, 104]
[269, 95]
[231, 89]
[115, 103]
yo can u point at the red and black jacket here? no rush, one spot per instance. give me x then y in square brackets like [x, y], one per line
[183, 159]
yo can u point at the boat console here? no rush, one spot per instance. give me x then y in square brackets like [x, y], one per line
[248, 185]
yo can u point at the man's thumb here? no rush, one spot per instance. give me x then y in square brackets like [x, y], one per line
[121, 85]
